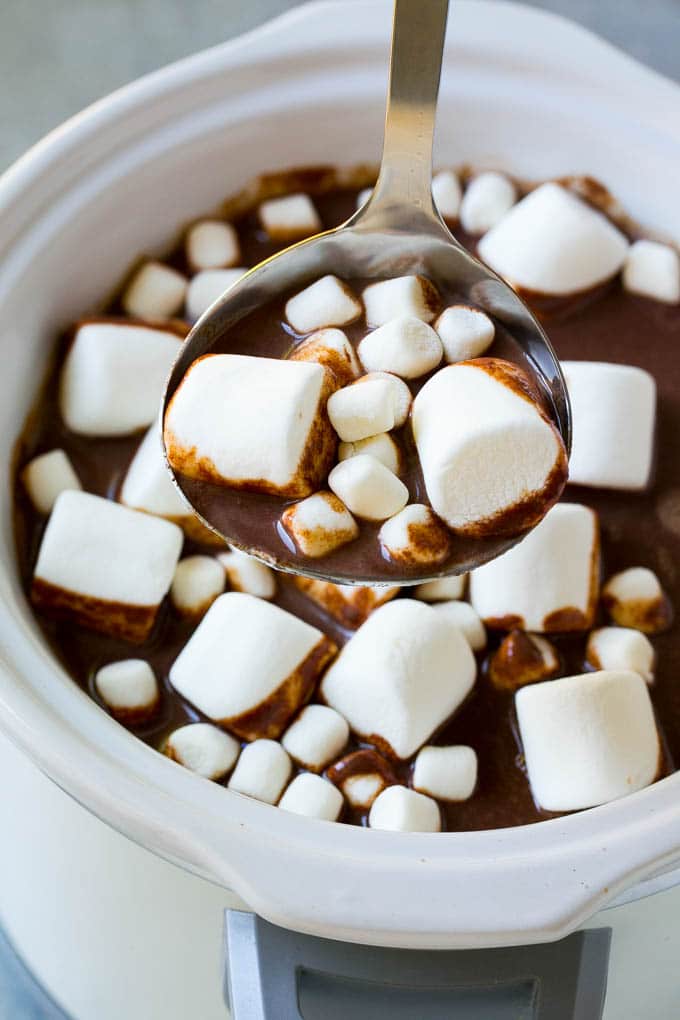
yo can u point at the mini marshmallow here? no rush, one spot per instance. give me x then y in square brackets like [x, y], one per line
[129, 690]
[487, 199]
[316, 737]
[521, 659]
[313, 797]
[251, 423]
[466, 619]
[588, 739]
[398, 809]
[249, 665]
[465, 332]
[204, 749]
[479, 413]
[357, 412]
[262, 771]
[406, 347]
[206, 287]
[420, 669]
[367, 488]
[328, 302]
[446, 773]
[289, 218]
[349, 604]
[332, 349]
[104, 566]
[197, 582]
[414, 296]
[547, 583]
[635, 598]
[247, 574]
[148, 484]
[113, 377]
[613, 416]
[363, 197]
[46, 477]
[653, 270]
[212, 244]
[415, 536]
[447, 194]
[382, 447]
[401, 395]
[156, 291]
[551, 242]
[621, 648]
[361, 776]
[319, 524]
[443, 589]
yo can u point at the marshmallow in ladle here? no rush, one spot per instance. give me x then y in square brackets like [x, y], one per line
[316, 737]
[415, 536]
[289, 218]
[465, 332]
[46, 477]
[319, 524]
[404, 295]
[359, 411]
[313, 797]
[405, 346]
[204, 749]
[156, 291]
[382, 447]
[635, 598]
[129, 690]
[621, 648]
[330, 348]
[486, 200]
[446, 773]
[327, 302]
[399, 809]
[262, 771]
[400, 392]
[367, 488]
[653, 270]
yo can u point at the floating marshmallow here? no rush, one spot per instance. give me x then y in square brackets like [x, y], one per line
[319, 524]
[251, 423]
[465, 332]
[621, 648]
[212, 244]
[588, 739]
[415, 536]
[328, 302]
[613, 414]
[553, 243]
[206, 287]
[463, 616]
[420, 668]
[399, 809]
[367, 488]
[382, 447]
[357, 412]
[332, 349]
[129, 690]
[446, 192]
[113, 377]
[316, 737]
[197, 582]
[406, 347]
[289, 218]
[635, 598]
[443, 589]
[313, 797]
[361, 776]
[521, 659]
[478, 414]
[487, 199]
[446, 773]
[204, 749]
[148, 484]
[156, 291]
[414, 296]
[248, 575]
[401, 394]
[349, 604]
[653, 270]
[549, 582]
[363, 197]
[249, 665]
[46, 477]
[104, 566]
[262, 771]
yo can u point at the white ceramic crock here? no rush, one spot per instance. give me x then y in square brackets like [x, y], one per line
[521, 90]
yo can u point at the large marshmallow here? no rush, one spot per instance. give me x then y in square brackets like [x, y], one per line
[443, 589]
[420, 669]
[492, 461]
[621, 648]
[46, 477]
[156, 291]
[332, 349]
[204, 749]
[327, 302]
[399, 809]
[289, 218]
[401, 394]
[404, 295]
[357, 412]
[212, 244]
[206, 287]
[349, 604]
[105, 566]
[382, 447]
[248, 575]
[406, 347]
[613, 415]
[415, 536]
[553, 243]
[251, 423]
[249, 665]
[465, 332]
[635, 598]
[361, 776]
[653, 269]
[465, 617]
[129, 690]
[521, 659]
[547, 583]
[447, 193]
[319, 524]
[113, 377]
[316, 737]
[262, 771]
[446, 773]
[313, 797]
[197, 582]
[367, 488]
[588, 739]
[487, 199]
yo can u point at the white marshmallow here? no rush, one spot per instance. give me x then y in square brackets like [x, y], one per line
[350, 604]
[446, 773]
[401, 395]
[621, 648]
[414, 296]
[289, 218]
[367, 488]
[549, 582]
[466, 619]
[587, 739]
[521, 659]
[129, 689]
[553, 243]
[106, 566]
[361, 776]
[248, 575]
[319, 524]
[363, 197]
[406, 347]
[420, 668]
[46, 477]
[635, 598]
[332, 349]
[447, 194]
[399, 809]
[156, 291]
[471, 415]
[487, 199]
[653, 269]
[415, 536]
[204, 749]
[212, 244]
[313, 797]
[465, 332]
[613, 415]
[206, 287]
[250, 665]
[327, 302]
[113, 377]
[197, 582]
[316, 737]
[443, 589]
[357, 412]
[148, 484]
[262, 771]
[382, 447]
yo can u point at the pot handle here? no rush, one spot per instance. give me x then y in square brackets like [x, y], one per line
[275, 974]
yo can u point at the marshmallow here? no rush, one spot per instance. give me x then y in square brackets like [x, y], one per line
[653, 269]
[382, 447]
[414, 296]
[465, 332]
[197, 582]
[319, 524]
[635, 598]
[492, 461]
[313, 797]
[406, 347]
[204, 749]
[249, 665]
[549, 582]
[363, 197]
[443, 589]
[419, 669]
[206, 287]
[521, 659]
[446, 773]
[553, 243]
[446, 192]
[367, 488]
[399, 809]
[332, 349]
[613, 414]
[113, 377]
[262, 771]
[148, 484]
[463, 616]
[415, 536]
[357, 412]
[587, 739]
[251, 423]
[316, 737]
[361, 776]
[349, 604]
[487, 199]
[248, 575]
[401, 395]
[621, 648]
[46, 476]
[129, 690]
[289, 218]
[212, 244]
[156, 291]
[328, 302]
[104, 566]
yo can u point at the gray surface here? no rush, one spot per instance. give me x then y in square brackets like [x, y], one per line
[21, 997]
